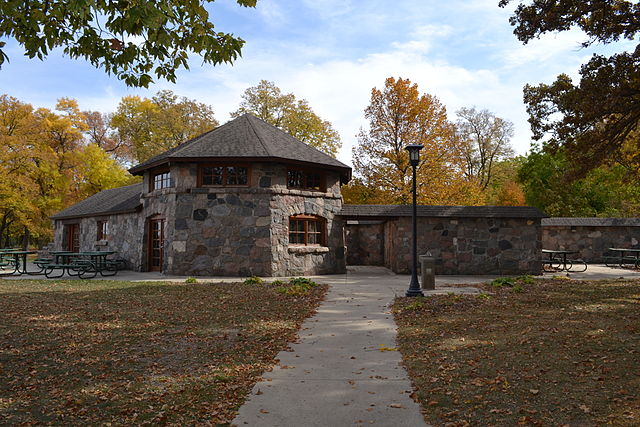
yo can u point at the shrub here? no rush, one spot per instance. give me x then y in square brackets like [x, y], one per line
[253, 280]
[277, 283]
[417, 304]
[512, 282]
[191, 280]
[303, 281]
[502, 281]
[297, 287]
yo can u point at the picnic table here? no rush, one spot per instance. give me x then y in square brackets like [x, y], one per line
[85, 265]
[16, 260]
[634, 258]
[558, 261]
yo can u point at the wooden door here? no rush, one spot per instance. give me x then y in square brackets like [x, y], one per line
[156, 244]
[73, 237]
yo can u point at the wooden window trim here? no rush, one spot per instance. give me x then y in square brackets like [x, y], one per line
[100, 235]
[224, 174]
[152, 179]
[322, 222]
[305, 172]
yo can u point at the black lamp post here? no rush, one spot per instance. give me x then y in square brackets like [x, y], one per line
[414, 160]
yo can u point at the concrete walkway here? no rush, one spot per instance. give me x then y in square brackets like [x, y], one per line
[344, 370]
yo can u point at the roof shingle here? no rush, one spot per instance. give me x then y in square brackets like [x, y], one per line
[382, 211]
[591, 222]
[116, 200]
[245, 137]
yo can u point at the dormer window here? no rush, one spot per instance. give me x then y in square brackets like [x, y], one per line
[160, 180]
[303, 179]
[223, 175]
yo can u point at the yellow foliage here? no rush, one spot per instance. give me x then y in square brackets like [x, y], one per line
[398, 116]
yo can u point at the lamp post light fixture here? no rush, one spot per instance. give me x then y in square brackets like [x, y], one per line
[414, 160]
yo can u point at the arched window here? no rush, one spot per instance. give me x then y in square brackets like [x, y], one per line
[307, 230]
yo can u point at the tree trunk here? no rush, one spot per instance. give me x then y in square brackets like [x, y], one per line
[25, 239]
[3, 227]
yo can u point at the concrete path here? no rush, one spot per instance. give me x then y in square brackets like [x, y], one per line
[337, 374]
[344, 370]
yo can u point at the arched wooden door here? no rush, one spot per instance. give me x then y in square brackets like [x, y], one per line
[156, 243]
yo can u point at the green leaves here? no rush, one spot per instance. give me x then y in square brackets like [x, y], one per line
[133, 40]
[595, 120]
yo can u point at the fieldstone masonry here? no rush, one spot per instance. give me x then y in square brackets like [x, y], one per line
[459, 245]
[121, 228]
[243, 231]
[590, 236]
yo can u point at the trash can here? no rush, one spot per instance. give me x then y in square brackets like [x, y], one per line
[428, 269]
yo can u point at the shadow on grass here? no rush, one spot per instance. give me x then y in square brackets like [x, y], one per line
[92, 352]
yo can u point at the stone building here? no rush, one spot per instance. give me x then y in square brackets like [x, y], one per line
[592, 237]
[248, 199]
[463, 239]
[243, 199]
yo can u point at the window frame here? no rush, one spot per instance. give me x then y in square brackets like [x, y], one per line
[102, 229]
[307, 219]
[225, 175]
[152, 179]
[305, 174]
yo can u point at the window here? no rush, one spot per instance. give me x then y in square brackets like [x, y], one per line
[223, 175]
[306, 230]
[305, 180]
[103, 230]
[161, 180]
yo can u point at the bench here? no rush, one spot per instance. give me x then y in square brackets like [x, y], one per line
[81, 268]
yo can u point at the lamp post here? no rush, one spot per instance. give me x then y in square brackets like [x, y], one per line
[414, 160]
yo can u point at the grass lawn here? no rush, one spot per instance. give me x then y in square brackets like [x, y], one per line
[551, 352]
[100, 352]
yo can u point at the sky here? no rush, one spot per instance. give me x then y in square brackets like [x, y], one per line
[332, 53]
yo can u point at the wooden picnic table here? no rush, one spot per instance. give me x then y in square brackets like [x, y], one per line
[635, 257]
[558, 260]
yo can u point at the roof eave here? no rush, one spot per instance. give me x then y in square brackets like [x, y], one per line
[345, 170]
[56, 217]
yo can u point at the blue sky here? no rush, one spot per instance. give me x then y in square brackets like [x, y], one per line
[332, 53]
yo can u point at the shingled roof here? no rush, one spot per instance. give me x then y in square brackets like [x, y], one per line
[246, 137]
[113, 201]
[591, 222]
[386, 211]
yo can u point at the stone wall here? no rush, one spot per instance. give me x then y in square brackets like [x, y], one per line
[365, 242]
[125, 231]
[243, 231]
[460, 245]
[592, 241]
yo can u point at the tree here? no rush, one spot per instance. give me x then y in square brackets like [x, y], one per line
[104, 136]
[595, 120]
[603, 191]
[45, 166]
[131, 39]
[151, 126]
[505, 188]
[267, 102]
[484, 140]
[399, 115]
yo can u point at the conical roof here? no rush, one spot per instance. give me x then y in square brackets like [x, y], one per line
[246, 138]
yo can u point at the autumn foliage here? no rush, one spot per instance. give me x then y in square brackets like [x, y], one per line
[46, 165]
[399, 115]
